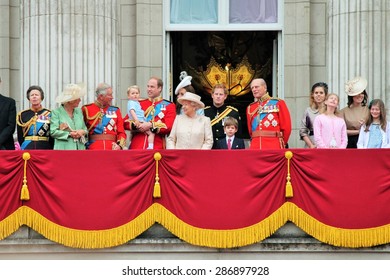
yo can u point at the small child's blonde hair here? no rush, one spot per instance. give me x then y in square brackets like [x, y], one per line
[230, 121]
[133, 87]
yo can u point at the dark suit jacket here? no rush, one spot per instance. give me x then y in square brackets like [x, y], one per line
[7, 123]
[238, 143]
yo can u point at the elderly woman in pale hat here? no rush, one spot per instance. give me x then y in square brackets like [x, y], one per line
[67, 123]
[356, 111]
[190, 130]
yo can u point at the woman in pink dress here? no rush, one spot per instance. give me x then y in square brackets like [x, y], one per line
[330, 131]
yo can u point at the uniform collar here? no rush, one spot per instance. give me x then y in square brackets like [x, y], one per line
[100, 105]
[265, 97]
[157, 99]
[221, 108]
[37, 110]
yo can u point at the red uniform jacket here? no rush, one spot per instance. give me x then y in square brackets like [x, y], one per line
[161, 113]
[269, 123]
[105, 126]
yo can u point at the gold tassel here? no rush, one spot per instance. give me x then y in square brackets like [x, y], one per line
[25, 194]
[289, 189]
[157, 188]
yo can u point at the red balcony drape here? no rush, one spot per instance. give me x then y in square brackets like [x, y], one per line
[223, 199]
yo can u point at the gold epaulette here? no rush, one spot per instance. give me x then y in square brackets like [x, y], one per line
[207, 107]
[233, 108]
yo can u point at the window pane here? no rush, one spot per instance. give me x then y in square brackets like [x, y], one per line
[253, 11]
[194, 11]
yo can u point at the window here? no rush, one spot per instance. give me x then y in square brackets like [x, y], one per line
[253, 11]
[194, 12]
[221, 12]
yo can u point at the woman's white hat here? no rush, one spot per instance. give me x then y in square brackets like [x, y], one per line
[71, 92]
[189, 96]
[355, 86]
[185, 81]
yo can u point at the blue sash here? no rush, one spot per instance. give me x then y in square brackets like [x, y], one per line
[157, 109]
[269, 107]
[100, 127]
[37, 126]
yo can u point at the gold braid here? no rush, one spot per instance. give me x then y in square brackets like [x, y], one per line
[26, 126]
[149, 111]
[98, 116]
[221, 116]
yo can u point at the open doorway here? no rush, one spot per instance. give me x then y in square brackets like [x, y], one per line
[230, 57]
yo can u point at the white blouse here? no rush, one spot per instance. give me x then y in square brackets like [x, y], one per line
[190, 133]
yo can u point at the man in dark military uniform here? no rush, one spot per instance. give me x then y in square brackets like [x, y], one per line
[219, 111]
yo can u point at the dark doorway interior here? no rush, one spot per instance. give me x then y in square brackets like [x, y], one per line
[224, 52]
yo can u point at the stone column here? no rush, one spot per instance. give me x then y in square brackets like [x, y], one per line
[68, 42]
[359, 44]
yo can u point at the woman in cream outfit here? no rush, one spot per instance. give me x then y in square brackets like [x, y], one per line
[190, 130]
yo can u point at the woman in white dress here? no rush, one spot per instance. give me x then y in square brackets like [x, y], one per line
[190, 130]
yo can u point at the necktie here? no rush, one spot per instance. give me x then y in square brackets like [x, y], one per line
[229, 143]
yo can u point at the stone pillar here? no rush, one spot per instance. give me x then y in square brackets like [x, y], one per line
[359, 44]
[68, 42]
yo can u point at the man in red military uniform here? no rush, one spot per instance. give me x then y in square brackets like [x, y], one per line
[268, 119]
[104, 122]
[159, 114]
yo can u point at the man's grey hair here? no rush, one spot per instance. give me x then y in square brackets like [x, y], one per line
[102, 89]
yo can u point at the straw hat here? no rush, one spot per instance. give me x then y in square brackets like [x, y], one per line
[189, 96]
[185, 81]
[355, 86]
[70, 93]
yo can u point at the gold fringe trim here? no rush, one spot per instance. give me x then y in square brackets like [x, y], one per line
[87, 239]
[220, 238]
[11, 224]
[25, 194]
[289, 189]
[93, 239]
[350, 238]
